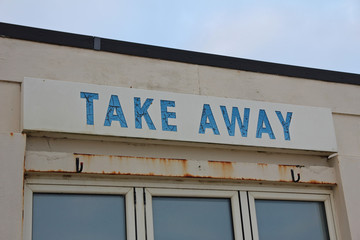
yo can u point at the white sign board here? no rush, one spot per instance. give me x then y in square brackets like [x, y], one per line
[68, 107]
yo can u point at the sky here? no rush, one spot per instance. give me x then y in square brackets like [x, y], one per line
[322, 34]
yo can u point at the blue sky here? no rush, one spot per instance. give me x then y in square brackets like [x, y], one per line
[321, 34]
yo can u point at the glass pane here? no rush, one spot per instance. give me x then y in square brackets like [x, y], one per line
[78, 217]
[295, 220]
[192, 218]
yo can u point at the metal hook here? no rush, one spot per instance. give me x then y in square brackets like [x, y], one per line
[293, 177]
[79, 170]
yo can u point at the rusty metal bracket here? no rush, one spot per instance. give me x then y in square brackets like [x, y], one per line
[79, 170]
[293, 177]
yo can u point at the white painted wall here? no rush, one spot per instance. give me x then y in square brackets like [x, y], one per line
[12, 153]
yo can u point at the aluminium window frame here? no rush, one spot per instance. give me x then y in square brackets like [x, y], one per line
[140, 190]
[163, 192]
[303, 197]
[30, 189]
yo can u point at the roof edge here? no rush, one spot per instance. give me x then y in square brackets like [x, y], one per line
[142, 50]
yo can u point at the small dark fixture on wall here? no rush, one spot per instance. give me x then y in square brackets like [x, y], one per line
[292, 176]
[79, 169]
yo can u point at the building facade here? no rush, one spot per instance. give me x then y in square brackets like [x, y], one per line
[103, 139]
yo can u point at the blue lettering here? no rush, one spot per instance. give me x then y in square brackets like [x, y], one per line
[204, 123]
[285, 124]
[263, 120]
[142, 112]
[165, 115]
[89, 106]
[235, 116]
[114, 104]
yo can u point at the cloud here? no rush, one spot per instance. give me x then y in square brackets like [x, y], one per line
[321, 34]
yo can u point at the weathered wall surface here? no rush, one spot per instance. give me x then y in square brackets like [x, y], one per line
[10, 107]
[71, 64]
[19, 59]
[12, 151]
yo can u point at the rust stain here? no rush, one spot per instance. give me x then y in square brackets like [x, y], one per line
[168, 164]
[184, 165]
[50, 171]
[284, 171]
[12, 134]
[281, 180]
[186, 175]
[169, 167]
[110, 158]
[171, 164]
[165, 162]
[226, 169]
[320, 182]
[262, 165]
[222, 162]
[89, 156]
[292, 166]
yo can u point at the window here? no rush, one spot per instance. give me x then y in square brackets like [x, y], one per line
[192, 214]
[171, 212]
[291, 216]
[72, 212]
[279, 219]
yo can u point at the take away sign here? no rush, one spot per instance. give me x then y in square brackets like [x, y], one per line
[69, 107]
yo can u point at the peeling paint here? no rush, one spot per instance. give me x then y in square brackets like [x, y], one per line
[151, 174]
[180, 168]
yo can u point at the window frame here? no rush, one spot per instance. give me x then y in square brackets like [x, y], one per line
[304, 197]
[139, 190]
[30, 189]
[162, 192]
